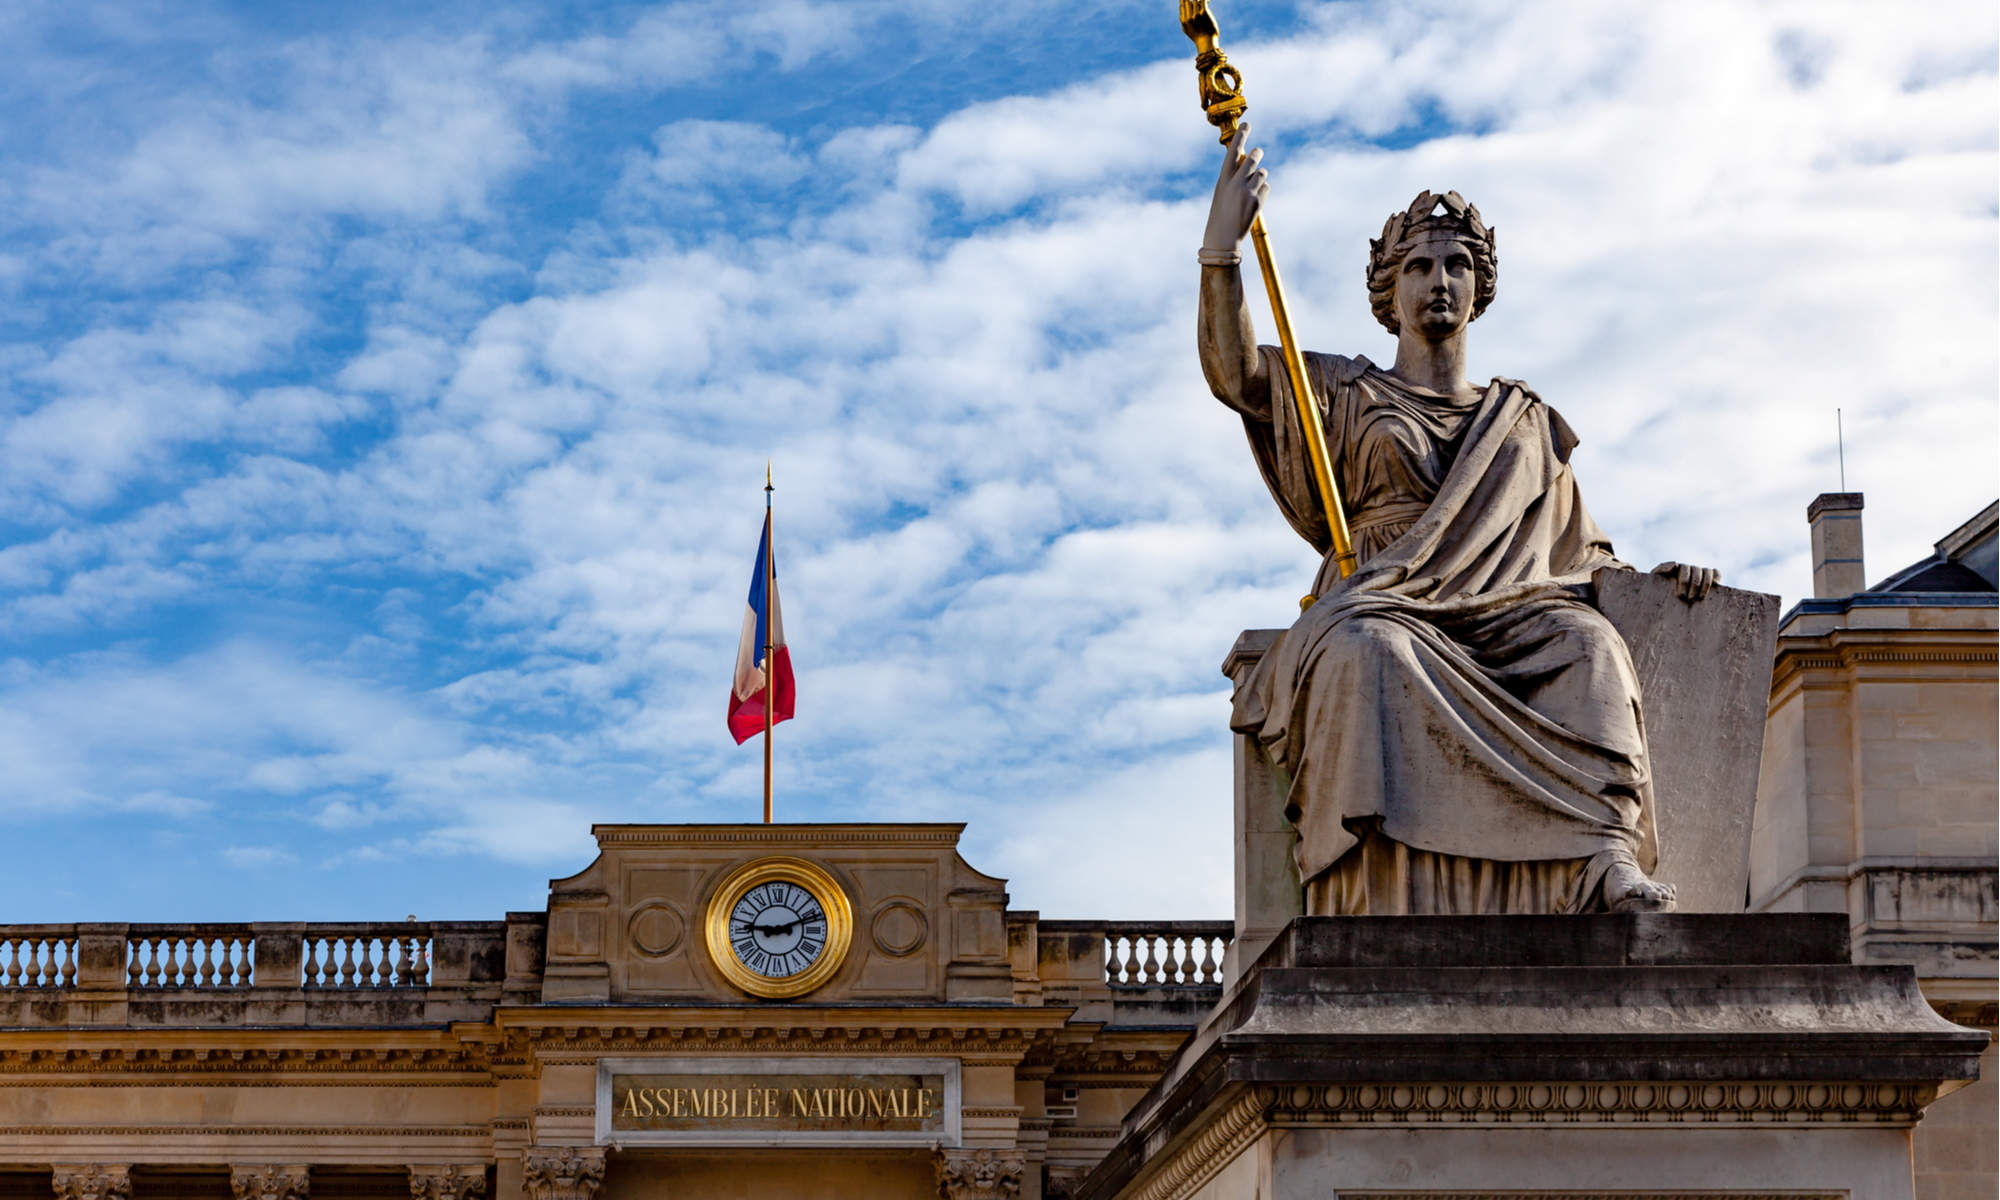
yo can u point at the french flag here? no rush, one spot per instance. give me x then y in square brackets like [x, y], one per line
[753, 683]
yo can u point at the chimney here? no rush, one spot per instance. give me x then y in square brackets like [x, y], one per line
[1835, 518]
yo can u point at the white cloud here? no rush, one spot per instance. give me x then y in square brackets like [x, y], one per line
[1016, 535]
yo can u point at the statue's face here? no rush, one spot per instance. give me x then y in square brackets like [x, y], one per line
[1435, 287]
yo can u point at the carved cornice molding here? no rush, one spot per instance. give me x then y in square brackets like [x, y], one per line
[580, 1045]
[269, 1182]
[562, 1172]
[1843, 650]
[1436, 1195]
[93, 1181]
[1691, 1103]
[1204, 1156]
[758, 836]
[981, 1174]
[472, 1132]
[1388, 1106]
[447, 1182]
[236, 1061]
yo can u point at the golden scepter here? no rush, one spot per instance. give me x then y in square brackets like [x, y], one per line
[1222, 97]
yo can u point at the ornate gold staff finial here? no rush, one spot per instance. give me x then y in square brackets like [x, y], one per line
[1222, 98]
[1221, 84]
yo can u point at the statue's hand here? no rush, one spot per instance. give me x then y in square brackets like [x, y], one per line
[1239, 194]
[1694, 581]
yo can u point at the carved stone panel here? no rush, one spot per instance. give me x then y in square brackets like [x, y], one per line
[562, 1172]
[1704, 683]
[447, 1182]
[93, 1181]
[980, 1174]
[269, 1182]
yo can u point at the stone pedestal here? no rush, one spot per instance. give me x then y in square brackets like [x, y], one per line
[1638, 1055]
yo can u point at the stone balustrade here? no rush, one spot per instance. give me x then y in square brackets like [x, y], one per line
[37, 956]
[1165, 954]
[189, 956]
[424, 972]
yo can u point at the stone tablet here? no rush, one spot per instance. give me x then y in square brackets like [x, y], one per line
[1704, 685]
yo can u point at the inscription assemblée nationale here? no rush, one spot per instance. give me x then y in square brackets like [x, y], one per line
[823, 1103]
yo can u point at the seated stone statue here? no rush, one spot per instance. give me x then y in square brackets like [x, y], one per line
[1455, 727]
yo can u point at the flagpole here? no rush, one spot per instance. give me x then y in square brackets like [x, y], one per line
[770, 613]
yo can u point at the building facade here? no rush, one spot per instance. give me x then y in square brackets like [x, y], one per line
[1877, 796]
[605, 1047]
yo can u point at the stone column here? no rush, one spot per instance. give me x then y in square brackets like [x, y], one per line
[562, 1172]
[967, 1174]
[269, 1182]
[93, 1181]
[459, 1182]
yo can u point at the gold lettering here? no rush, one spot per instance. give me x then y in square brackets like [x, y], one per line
[923, 1103]
[770, 1102]
[899, 1102]
[645, 1098]
[875, 1101]
[799, 1106]
[630, 1108]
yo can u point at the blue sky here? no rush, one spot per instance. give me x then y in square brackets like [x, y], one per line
[385, 392]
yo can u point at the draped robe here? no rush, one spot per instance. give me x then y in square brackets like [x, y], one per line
[1455, 727]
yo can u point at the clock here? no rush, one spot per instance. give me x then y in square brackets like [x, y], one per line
[779, 927]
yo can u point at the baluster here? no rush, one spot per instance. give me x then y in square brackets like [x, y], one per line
[153, 970]
[1142, 959]
[6, 962]
[378, 962]
[1206, 963]
[420, 971]
[371, 962]
[131, 964]
[399, 955]
[51, 963]
[1114, 967]
[204, 970]
[69, 964]
[309, 956]
[240, 957]
[37, 951]
[350, 972]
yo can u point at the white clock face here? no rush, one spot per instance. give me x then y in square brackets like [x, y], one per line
[777, 929]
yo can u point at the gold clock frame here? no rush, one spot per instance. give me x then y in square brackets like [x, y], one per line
[810, 876]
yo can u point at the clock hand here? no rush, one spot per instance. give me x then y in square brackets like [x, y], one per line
[775, 929]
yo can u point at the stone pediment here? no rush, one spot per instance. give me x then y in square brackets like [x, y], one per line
[631, 928]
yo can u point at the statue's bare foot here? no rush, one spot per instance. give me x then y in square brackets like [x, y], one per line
[1627, 889]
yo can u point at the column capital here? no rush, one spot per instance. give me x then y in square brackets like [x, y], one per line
[562, 1172]
[93, 1181]
[982, 1174]
[269, 1181]
[447, 1182]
